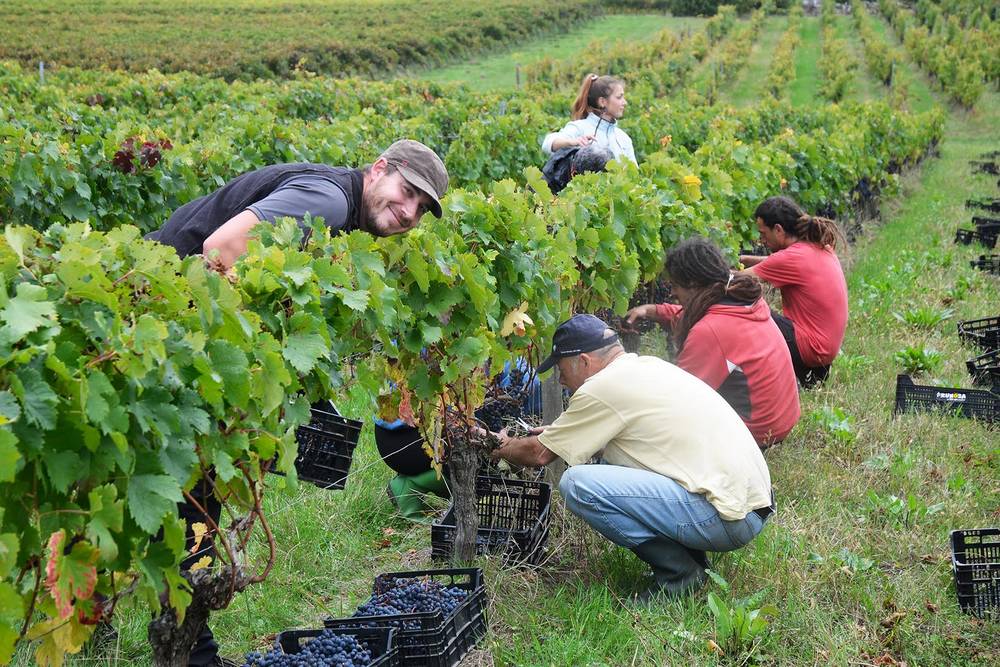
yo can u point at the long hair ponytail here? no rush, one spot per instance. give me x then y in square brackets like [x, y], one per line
[593, 89]
[697, 265]
[795, 221]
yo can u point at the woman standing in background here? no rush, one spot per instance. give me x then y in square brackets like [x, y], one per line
[596, 111]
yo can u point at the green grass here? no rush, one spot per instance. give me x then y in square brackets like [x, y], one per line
[498, 71]
[804, 88]
[749, 86]
[864, 87]
[920, 95]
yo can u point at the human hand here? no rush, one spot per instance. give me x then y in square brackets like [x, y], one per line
[643, 312]
[585, 140]
[503, 438]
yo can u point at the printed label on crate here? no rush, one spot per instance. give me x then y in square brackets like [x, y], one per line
[951, 396]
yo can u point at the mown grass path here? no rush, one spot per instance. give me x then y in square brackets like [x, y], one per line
[921, 95]
[804, 88]
[749, 86]
[864, 87]
[497, 71]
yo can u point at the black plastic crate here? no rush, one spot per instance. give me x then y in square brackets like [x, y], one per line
[979, 222]
[489, 468]
[985, 237]
[975, 560]
[991, 205]
[514, 517]
[985, 369]
[430, 639]
[978, 404]
[326, 447]
[984, 332]
[987, 263]
[758, 249]
[378, 641]
[984, 167]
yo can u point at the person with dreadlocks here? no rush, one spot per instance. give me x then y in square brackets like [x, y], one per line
[595, 114]
[725, 336]
[805, 267]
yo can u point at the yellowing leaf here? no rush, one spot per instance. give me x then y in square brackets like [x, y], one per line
[202, 563]
[198, 529]
[57, 638]
[691, 185]
[515, 321]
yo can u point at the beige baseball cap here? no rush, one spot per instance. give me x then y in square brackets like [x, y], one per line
[421, 167]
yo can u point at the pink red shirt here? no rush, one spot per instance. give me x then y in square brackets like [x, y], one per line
[813, 297]
[737, 350]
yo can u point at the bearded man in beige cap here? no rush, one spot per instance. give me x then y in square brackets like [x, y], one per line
[385, 198]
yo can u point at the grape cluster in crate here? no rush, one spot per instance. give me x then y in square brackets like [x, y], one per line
[424, 618]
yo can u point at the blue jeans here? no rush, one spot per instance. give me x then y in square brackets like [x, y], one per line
[630, 506]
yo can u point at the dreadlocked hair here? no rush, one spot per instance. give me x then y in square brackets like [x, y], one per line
[698, 265]
[796, 222]
[593, 89]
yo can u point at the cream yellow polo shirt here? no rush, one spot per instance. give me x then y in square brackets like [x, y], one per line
[646, 413]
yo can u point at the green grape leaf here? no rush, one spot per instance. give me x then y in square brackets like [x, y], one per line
[149, 336]
[20, 239]
[353, 299]
[150, 497]
[9, 408]
[11, 612]
[85, 282]
[178, 458]
[173, 534]
[430, 334]
[106, 516]
[38, 400]
[100, 397]
[232, 366]
[9, 456]
[28, 311]
[9, 544]
[418, 268]
[63, 468]
[303, 351]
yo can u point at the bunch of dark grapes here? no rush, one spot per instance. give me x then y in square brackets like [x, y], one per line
[499, 409]
[328, 649]
[409, 596]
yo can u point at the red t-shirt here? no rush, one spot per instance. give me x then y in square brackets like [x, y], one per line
[813, 297]
[738, 350]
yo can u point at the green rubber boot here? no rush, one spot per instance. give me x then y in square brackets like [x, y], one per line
[408, 493]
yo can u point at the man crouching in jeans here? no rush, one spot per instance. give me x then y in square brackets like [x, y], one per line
[679, 472]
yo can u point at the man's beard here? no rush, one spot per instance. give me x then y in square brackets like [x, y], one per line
[372, 203]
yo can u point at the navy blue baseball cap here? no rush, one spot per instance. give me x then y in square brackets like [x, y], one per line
[578, 334]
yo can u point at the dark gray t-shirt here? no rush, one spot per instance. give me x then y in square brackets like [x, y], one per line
[304, 193]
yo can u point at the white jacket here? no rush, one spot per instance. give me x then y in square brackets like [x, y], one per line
[607, 135]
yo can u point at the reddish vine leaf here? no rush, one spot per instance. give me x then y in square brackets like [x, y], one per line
[72, 575]
[406, 407]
